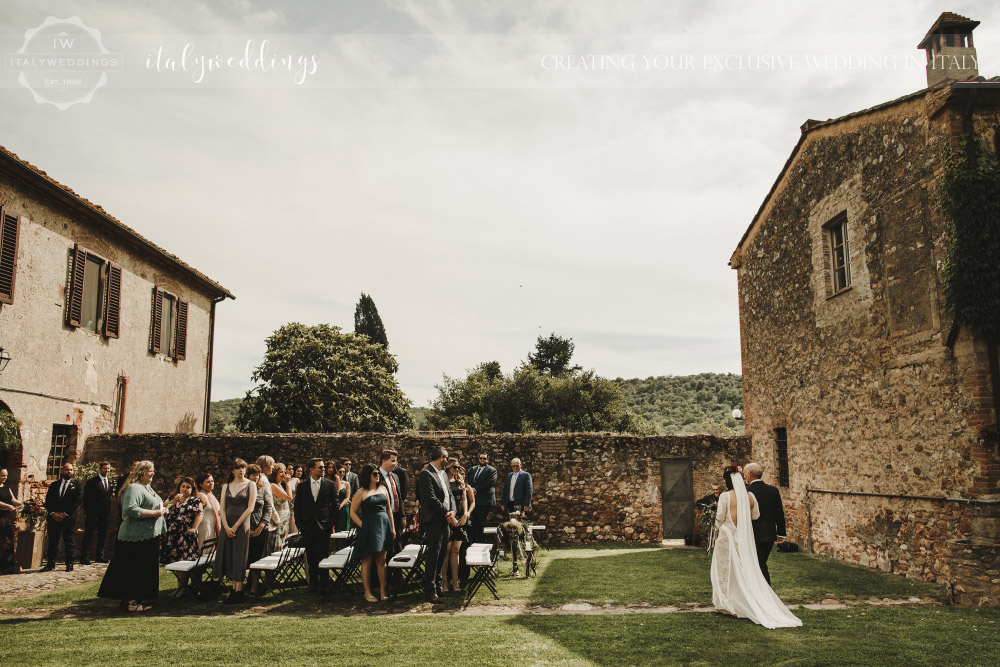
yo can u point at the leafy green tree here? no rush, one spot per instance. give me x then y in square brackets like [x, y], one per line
[531, 401]
[552, 355]
[368, 322]
[318, 379]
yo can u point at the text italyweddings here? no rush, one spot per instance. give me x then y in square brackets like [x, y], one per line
[254, 59]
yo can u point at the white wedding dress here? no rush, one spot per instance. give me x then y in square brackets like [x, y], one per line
[737, 583]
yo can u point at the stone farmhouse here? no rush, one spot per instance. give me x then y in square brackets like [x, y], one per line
[868, 408]
[105, 331]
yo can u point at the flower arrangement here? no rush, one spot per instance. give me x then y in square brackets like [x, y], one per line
[33, 513]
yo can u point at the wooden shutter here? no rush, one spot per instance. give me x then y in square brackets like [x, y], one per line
[113, 303]
[9, 225]
[74, 313]
[154, 343]
[180, 347]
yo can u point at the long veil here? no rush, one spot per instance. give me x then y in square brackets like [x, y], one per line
[765, 607]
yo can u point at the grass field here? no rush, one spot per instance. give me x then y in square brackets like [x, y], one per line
[525, 627]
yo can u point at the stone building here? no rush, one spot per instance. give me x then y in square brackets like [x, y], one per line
[105, 331]
[865, 404]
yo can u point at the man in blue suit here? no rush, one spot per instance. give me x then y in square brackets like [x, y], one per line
[517, 487]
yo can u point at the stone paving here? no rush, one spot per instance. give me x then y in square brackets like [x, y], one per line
[34, 582]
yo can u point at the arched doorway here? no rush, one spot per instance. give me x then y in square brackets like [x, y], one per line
[11, 450]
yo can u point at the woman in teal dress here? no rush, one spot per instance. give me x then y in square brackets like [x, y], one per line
[344, 498]
[371, 514]
[134, 573]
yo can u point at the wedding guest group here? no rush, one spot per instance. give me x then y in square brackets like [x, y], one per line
[259, 506]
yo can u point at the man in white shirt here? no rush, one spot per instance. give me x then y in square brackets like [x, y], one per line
[517, 488]
[61, 503]
[97, 495]
[437, 513]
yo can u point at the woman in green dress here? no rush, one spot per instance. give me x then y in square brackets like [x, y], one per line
[344, 496]
[134, 573]
[371, 513]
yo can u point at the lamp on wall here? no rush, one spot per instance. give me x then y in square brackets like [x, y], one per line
[737, 414]
[4, 359]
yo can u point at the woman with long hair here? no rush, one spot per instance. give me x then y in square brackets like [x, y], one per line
[180, 542]
[211, 523]
[344, 496]
[9, 504]
[465, 502]
[239, 495]
[283, 505]
[134, 573]
[738, 587]
[371, 513]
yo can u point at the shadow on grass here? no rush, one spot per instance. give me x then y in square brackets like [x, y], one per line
[871, 636]
[681, 577]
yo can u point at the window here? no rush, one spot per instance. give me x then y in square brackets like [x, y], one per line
[168, 333]
[781, 438]
[840, 255]
[9, 225]
[94, 294]
[62, 444]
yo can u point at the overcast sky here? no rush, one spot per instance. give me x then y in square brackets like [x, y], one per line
[488, 171]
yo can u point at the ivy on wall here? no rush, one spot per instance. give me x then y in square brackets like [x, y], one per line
[10, 432]
[969, 196]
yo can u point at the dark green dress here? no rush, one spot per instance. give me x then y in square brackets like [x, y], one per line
[375, 533]
[344, 518]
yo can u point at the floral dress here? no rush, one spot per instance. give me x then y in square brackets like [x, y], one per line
[178, 543]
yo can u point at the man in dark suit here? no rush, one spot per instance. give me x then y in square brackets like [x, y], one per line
[517, 488]
[437, 513]
[388, 460]
[351, 477]
[97, 494]
[315, 509]
[483, 480]
[770, 527]
[387, 470]
[61, 502]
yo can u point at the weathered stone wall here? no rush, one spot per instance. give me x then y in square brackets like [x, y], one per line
[873, 397]
[587, 487]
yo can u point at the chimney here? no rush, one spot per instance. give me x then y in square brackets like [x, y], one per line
[950, 53]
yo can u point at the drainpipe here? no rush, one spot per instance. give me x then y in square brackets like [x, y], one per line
[123, 384]
[211, 359]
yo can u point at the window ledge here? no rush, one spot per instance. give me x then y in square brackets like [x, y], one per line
[836, 294]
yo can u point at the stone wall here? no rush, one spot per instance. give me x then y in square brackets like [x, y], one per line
[588, 487]
[876, 394]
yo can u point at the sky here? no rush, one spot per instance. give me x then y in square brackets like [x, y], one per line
[489, 172]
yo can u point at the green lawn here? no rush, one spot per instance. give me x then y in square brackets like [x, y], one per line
[187, 632]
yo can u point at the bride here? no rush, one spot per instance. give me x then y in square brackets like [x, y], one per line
[737, 583]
